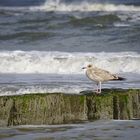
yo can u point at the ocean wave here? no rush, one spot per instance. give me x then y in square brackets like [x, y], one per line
[16, 90]
[97, 20]
[26, 36]
[57, 5]
[67, 63]
[82, 6]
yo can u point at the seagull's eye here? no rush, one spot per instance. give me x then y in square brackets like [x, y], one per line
[89, 66]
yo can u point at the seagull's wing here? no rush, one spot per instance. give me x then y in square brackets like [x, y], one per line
[106, 75]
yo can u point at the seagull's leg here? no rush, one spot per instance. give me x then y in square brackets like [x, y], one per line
[97, 90]
[100, 85]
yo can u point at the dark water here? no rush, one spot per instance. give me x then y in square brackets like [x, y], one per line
[75, 27]
[100, 130]
[39, 2]
[21, 2]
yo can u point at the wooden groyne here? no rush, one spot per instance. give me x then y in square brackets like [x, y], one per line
[59, 108]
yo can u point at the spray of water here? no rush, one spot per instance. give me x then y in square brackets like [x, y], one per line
[67, 63]
[57, 5]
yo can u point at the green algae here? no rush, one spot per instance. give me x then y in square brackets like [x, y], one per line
[57, 108]
[82, 99]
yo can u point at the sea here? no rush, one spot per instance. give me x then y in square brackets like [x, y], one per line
[45, 43]
[98, 130]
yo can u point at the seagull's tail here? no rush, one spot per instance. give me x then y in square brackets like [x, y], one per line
[121, 78]
[118, 78]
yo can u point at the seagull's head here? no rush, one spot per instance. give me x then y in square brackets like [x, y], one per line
[87, 67]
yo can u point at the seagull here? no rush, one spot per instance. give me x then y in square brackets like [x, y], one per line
[100, 75]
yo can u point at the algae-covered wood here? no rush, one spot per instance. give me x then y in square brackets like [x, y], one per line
[58, 108]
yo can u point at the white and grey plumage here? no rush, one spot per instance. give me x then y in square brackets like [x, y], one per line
[99, 75]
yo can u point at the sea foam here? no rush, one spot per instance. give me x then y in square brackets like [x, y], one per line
[57, 5]
[67, 63]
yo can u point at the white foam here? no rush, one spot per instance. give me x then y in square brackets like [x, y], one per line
[66, 63]
[9, 90]
[121, 25]
[57, 5]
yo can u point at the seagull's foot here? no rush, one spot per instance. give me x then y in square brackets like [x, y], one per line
[97, 92]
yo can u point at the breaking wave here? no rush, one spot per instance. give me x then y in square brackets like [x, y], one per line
[57, 5]
[66, 63]
[81, 6]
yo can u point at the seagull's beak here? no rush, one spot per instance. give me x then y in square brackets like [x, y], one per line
[84, 68]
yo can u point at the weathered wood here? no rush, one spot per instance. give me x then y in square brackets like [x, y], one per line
[58, 108]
